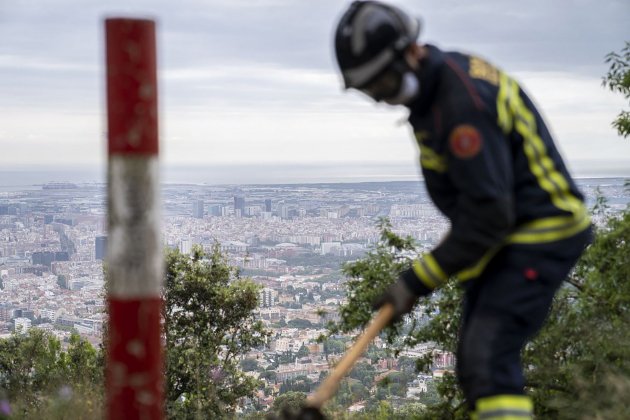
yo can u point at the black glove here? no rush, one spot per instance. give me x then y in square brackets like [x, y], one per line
[403, 294]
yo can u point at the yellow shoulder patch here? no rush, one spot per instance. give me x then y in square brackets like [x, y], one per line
[480, 69]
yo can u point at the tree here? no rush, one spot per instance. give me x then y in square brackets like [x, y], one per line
[40, 380]
[300, 323]
[395, 384]
[303, 351]
[269, 375]
[290, 402]
[618, 80]
[208, 324]
[579, 364]
[83, 363]
[333, 346]
[364, 372]
[581, 360]
[249, 365]
[298, 384]
[407, 364]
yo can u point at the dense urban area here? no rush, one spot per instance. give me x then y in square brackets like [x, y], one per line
[290, 239]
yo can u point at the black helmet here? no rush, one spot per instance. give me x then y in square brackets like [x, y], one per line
[370, 37]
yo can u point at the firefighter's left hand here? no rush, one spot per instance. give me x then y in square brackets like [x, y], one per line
[400, 296]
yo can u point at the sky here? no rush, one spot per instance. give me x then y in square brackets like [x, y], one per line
[253, 82]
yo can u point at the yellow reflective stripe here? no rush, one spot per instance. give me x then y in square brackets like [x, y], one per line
[429, 159]
[543, 230]
[540, 163]
[435, 268]
[504, 402]
[504, 120]
[477, 269]
[495, 402]
[419, 270]
[421, 136]
[429, 271]
[549, 229]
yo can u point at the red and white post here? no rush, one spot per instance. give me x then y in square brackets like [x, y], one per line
[134, 376]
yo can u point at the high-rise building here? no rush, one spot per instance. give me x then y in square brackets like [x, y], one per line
[266, 297]
[283, 211]
[6, 312]
[197, 209]
[100, 248]
[268, 205]
[215, 210]
[43, 258]
[185, 246]
[22, 325]
[239, 204]
[252, 210]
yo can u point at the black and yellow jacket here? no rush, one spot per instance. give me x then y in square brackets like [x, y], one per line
[490, 165]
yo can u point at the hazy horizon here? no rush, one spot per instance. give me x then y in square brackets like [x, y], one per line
[266, 173]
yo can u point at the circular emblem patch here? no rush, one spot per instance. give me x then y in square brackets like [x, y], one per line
[465, 141]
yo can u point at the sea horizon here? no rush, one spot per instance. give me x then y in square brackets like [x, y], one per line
[260, 174]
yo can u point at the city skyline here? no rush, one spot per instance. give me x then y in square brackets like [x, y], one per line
[255, 83]
[290, 240]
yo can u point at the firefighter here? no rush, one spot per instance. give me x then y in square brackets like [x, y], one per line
[518, 221]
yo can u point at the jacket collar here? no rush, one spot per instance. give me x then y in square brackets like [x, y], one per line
[429, 75]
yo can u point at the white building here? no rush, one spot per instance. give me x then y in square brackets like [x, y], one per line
[330, 247]
[267, 297]
[22, 325]
[185, 246]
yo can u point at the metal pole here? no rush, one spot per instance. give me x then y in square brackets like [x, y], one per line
[134, 374]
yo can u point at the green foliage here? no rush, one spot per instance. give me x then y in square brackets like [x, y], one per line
[369, 277]
[581, 360]
[290, 401]
[298, 384]
[350, 391]
[394, 384]
[40, 380]
[300, 323]
[269, 375]
[333, 346]
[431, 397]
[364, 372]
[577, 367]
[303, 351]
[618, 80]
[249, 365]
[209, 324]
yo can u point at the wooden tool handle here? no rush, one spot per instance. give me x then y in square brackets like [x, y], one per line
[328, 388]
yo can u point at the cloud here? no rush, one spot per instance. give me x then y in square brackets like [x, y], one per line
[254, 80]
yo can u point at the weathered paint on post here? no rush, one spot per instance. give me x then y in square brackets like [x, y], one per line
[134, 377]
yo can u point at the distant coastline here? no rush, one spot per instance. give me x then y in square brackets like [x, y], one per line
[269, 174]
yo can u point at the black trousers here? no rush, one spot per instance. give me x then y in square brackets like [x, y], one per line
[504, 308]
